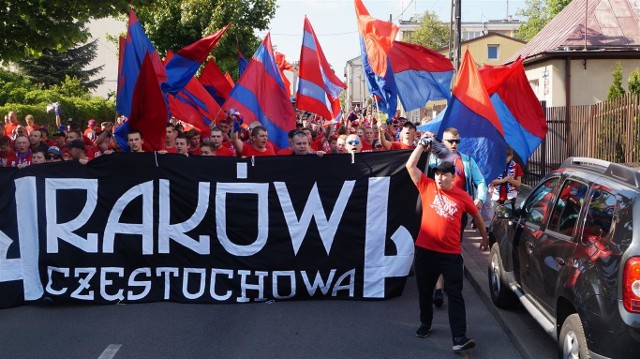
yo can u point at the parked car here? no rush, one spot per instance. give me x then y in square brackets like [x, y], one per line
[570, 254]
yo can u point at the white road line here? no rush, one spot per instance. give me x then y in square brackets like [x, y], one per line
[110, 352]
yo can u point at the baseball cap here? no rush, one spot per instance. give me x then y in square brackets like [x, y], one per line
[92, 122]
[446, 167]
[75, 144]
[54, 150]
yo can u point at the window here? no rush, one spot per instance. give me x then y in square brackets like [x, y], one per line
[492, 52]
[567, 210]
[538, 202]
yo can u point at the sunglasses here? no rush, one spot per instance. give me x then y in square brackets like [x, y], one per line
[453, 141]
[353, 142]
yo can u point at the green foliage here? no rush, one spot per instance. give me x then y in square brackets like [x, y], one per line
[616, 89]
[29, 26]
[537, 14]
[173, 24]
[432, 33]
[633, 83]
[53, 66]
[18, 94]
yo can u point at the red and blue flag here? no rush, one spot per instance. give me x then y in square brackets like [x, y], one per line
[242, 64]
[518, 108]
[149, 113]
[318, 86]
[136, 46]
[184, 64]
[376, 40]
[471, 112]
[215, 82]
[420, 74]
[260, 95]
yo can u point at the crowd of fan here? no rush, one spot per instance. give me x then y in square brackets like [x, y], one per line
[25, 144]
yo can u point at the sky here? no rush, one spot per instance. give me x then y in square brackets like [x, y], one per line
[334, 22]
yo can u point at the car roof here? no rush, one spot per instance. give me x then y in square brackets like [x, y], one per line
[628, 174]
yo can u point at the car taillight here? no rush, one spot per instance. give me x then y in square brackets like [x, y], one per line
[631, 285]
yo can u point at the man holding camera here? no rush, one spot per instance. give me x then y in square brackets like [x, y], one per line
[438, 249]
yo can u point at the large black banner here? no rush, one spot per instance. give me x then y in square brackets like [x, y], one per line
[148, 227]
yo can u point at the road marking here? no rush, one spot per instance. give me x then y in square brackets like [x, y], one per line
[110, 352]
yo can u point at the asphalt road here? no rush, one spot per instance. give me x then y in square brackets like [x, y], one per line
[293, 329]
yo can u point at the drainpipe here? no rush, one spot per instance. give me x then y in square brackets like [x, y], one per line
[567, 114]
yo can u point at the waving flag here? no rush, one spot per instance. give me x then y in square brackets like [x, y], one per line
[518, 109]
[187, 61]
[471, 112]
[194, 105]
[319, 87]
[376, 40]
[420, 74]
[283, 66]
[136, 46]
[242, 64]
[215, 82]
[149, 112]
[260, 95]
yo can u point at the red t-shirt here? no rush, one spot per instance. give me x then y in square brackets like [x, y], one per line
[195, 152]
[224, 152]
[16, 161]
[441, 216]
[7, 158]
[397, 145]
[9, 127]
[249, 151]
[459, 179]
[366, 147]
[285, 152]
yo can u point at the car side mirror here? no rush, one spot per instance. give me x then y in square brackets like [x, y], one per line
[505, 211]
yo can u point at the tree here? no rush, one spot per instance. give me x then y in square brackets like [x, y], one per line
[173, 24]
[432, 33]
[538, 14]
[616, 89]
[53, 67]
[29, 26]
[633, 83]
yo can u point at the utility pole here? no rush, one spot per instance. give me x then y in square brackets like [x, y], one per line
[456, 31]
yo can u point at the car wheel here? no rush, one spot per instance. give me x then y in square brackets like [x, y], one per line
[572, 343]
[501, 295]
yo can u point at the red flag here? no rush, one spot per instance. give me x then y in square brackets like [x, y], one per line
[227, 76]
[149, 112]
[215, 82]
[377, 35]
[282, 66]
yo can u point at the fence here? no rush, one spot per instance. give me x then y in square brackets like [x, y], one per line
[608, 130]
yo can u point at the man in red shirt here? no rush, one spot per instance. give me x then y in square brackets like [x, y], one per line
[438, 244]
[182, 145]
[7, 155]
[367, 139]
[23, 152]
[407, 138]
[90, 132]
[214, 147]
[10, 126]
[258, 146]
[170, 138]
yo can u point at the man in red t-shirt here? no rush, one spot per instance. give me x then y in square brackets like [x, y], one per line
[438, 245]
[258, 146]
[407, 138]
[215, 145]
[7, 155]
[367, 139]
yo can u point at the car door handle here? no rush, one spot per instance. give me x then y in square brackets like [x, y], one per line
[560, 261]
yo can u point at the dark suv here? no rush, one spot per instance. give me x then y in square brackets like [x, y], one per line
[570, 254]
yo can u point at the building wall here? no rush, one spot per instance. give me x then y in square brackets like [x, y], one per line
[107, 53]
[354, 79]
[505, 49]
[590, 81]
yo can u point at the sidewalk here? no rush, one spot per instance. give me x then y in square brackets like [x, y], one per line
[530, 340]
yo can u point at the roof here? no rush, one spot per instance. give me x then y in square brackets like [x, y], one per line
[483, 37]
[611, 24]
